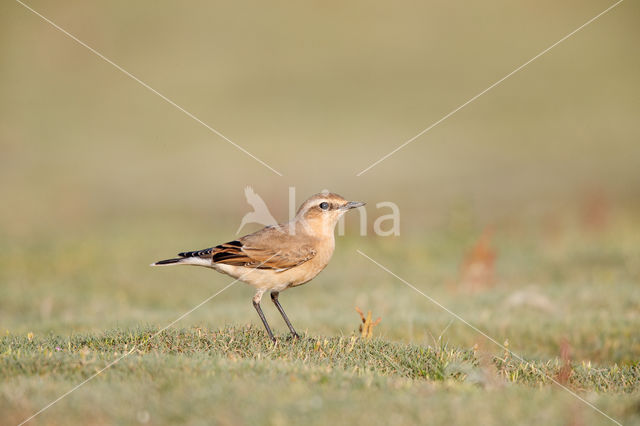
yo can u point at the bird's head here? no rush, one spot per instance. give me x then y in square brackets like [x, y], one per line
[320, 213]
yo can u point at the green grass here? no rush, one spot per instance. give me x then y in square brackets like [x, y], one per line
[236, 375]
[90, 294]
[93, 296]
[100, 177]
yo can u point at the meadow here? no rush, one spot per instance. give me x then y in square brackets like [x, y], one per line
[519, 213]
[577, 293]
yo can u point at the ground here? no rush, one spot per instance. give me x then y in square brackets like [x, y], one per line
[574, 323]
[518, 213]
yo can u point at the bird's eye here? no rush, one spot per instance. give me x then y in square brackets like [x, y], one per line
[324, 205]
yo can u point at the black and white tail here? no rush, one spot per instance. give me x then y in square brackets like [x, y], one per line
[198, 257]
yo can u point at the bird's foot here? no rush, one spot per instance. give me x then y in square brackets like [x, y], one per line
[294, 336]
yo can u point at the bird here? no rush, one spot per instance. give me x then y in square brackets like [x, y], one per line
[260, 213]
[277, 257]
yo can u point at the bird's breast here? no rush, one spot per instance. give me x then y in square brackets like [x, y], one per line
[308, 270]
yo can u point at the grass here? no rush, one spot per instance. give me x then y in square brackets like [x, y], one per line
[236, 375]
[566, 303]
[99, 177]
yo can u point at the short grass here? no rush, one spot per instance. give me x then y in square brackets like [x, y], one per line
[99, 177]
[71, 304]
[235, 375]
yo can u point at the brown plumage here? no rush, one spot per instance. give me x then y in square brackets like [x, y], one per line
[277, 257]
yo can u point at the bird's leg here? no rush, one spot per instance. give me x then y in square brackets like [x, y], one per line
[256, 304]
[274, 298]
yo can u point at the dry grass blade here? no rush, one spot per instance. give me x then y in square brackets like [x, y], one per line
[366, 328]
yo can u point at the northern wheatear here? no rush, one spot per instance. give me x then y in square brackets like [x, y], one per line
[279, 256]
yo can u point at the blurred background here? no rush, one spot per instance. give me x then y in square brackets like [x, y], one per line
[520, 212]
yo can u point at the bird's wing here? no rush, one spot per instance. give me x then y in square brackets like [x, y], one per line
[269, 248]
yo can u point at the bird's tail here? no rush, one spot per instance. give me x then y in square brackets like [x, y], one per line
[167, 262]
[198, 257]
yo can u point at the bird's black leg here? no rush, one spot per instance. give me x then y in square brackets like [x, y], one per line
[256, 304]
[274, 297]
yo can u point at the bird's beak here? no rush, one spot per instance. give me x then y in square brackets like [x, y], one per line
[352, 205]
